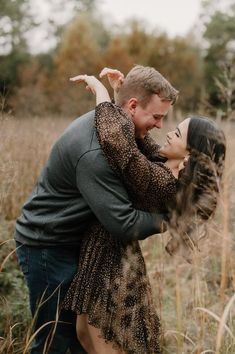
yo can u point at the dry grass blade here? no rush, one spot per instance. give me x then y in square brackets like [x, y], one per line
[34, 335]
[198, 284]
[50, 338]
[217, 318]
[6, 241]
[40, 304]
[172, 332]
[6, 259]
[222, 324]
[28, 343]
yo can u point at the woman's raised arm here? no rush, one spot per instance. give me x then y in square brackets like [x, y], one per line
[115, 78]
[93, 85]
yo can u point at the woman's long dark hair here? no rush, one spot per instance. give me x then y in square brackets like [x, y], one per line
[199, 182]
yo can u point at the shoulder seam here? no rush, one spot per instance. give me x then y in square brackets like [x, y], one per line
[86, 152]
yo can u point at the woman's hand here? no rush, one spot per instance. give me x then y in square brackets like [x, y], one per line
[115, 77]
[93, 85]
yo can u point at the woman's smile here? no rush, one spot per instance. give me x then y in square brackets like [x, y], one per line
[175, 146]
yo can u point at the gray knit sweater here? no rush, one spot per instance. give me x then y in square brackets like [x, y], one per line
[75, 187]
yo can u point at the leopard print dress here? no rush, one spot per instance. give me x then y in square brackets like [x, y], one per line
[111, 285]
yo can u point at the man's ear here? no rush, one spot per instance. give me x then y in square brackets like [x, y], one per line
[131, 105]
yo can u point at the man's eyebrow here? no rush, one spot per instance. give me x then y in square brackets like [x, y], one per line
[179, 131]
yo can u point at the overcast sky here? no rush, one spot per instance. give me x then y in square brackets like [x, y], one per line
[176, 17]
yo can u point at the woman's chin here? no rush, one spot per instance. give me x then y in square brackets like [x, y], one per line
[162, 152]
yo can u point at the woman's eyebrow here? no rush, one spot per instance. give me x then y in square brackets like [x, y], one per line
[179, 131]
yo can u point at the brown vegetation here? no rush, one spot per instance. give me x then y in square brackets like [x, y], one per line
[195, 301]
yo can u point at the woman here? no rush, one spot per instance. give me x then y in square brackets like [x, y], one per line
[115, 309]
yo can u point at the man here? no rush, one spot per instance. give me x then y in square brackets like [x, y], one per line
[75, 187]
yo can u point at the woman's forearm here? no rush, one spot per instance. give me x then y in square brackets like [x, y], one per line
[102, 94]
[95, 86]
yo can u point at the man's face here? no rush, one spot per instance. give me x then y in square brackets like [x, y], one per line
[149, 117]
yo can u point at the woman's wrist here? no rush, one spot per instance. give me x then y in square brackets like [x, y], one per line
[102, 94]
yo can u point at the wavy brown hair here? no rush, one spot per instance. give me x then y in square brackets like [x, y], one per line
[199, 183]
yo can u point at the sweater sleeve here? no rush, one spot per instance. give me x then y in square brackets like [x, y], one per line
[109, 201]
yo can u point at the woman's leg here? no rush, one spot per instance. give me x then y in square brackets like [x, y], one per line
[90, 339]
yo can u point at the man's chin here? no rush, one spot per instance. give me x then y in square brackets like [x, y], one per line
[140, 135]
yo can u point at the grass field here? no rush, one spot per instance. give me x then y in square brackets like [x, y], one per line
[195, 301]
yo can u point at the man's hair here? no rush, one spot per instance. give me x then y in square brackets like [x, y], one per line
[142, 82]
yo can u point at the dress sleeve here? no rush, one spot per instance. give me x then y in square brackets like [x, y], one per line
[152, 184]
[97, 183]
[149, 148]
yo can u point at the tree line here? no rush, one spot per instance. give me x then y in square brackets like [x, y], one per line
[39, 84]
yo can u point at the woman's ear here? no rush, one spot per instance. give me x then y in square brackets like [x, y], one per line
[185, 161]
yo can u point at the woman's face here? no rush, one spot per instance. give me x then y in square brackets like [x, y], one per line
[176, 142]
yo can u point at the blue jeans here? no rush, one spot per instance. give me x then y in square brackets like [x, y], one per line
[48, 273]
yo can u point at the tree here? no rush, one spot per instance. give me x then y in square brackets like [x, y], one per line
[178, 59]
[59, 19]
[15, 20]
[80, 52]
[116, 55]
[220, 55]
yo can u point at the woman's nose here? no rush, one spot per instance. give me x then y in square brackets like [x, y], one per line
[169, 135]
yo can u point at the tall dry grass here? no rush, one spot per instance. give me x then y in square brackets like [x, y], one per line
[198, 300]
[195, 301]
[24, 147]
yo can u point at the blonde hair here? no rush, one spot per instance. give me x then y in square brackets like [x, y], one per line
[142, 82]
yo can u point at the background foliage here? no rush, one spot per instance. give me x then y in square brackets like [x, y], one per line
[38, 84]
[38, 102]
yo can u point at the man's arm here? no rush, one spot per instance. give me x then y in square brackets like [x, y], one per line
[109, 201]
